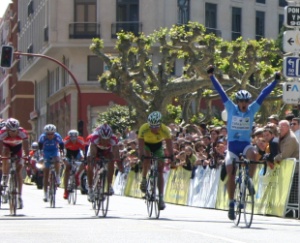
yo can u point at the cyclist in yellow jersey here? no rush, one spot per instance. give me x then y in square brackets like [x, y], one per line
[150, 138]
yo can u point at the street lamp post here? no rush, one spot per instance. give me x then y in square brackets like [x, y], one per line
[70, 73]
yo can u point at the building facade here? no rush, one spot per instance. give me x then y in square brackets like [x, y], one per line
[63, 29]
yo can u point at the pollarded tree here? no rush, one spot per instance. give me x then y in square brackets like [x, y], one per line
[147, 86]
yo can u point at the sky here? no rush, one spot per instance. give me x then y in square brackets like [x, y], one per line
[3, 6]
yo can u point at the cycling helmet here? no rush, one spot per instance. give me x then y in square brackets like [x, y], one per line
[154, 119]
[50, 128]
[243, 95]
[12, 124]
[105, 131]
[73, 133]
[2, 123]
[35, 145]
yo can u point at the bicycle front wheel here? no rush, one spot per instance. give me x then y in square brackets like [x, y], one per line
[149, 196]
[96, 203]
[105, 194]
[52, 189]
[248, 201]
[13, 194]
[237, 204]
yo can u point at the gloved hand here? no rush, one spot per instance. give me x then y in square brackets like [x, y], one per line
[210, 69]
[277, 76]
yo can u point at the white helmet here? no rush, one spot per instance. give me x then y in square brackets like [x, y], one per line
[50, 128]
[154, 119]
[12, 124]
[243, 95]
[34, 145]
[105, 131]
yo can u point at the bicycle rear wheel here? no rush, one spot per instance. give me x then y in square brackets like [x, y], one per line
[237, 204]
[12, 193]
[248, 201]
[149, 196]
[52, 189]
[105, 193]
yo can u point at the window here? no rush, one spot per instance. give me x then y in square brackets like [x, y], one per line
[236, 23]
[280, 22]
[30, 9]
[282, 3]
[211, 17]
[183, 11]
[128, 16]
[261, 1]
[85, 11]
[95, 68]
[259, 25]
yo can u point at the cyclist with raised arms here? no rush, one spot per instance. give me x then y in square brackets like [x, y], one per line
[51, 144]
[150, 138]
[103, 143]
[239, 127]
[13, 141]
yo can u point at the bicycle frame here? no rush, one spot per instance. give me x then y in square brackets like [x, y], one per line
[151, 195]
[100, 186]
[52, 183]
[244, 190]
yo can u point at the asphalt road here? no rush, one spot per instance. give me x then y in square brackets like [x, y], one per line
[127, 221]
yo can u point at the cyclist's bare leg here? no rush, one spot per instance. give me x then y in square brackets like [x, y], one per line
[57, 166]
[230, 181]
[46, 179]
[160, 182]
[90, 173]
[67, 174]
[251, 155]
[146, 164]
[19, 178]
[110, 174]
[5, 164]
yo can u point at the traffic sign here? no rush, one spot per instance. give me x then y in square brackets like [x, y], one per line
[291, 67]
[291, 41]
[292, 16]
[291, 92]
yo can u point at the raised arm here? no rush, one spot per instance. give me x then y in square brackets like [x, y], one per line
[267, 90]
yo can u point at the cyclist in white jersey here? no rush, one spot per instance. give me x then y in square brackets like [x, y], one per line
[239, 127]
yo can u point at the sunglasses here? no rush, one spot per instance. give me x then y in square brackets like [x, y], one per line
[293, 124]
[50, 134]
[246, 101]
[12, 130]
[155, 126]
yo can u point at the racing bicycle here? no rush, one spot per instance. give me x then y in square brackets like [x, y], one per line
[151, 195]
[244, 190]
[100, 187]
[72, 186]
[10, 192]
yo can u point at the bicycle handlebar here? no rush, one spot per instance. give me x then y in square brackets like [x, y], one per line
[244, 161]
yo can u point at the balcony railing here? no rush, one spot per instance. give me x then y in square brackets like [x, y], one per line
[84, 30]
[217, 32]
[129, 26]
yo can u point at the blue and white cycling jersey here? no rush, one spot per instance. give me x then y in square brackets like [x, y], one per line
[50, 147]
[239, 124]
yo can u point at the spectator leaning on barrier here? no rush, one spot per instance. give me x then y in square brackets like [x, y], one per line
[273, 147]
[296, 128]
[288, 144]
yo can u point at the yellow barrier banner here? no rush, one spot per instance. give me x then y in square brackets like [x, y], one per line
[177, 188]
[273, 189]
[132, 188]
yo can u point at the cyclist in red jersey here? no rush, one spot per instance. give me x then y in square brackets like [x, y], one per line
[13, 141]
[74, 145]
[103, 143]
